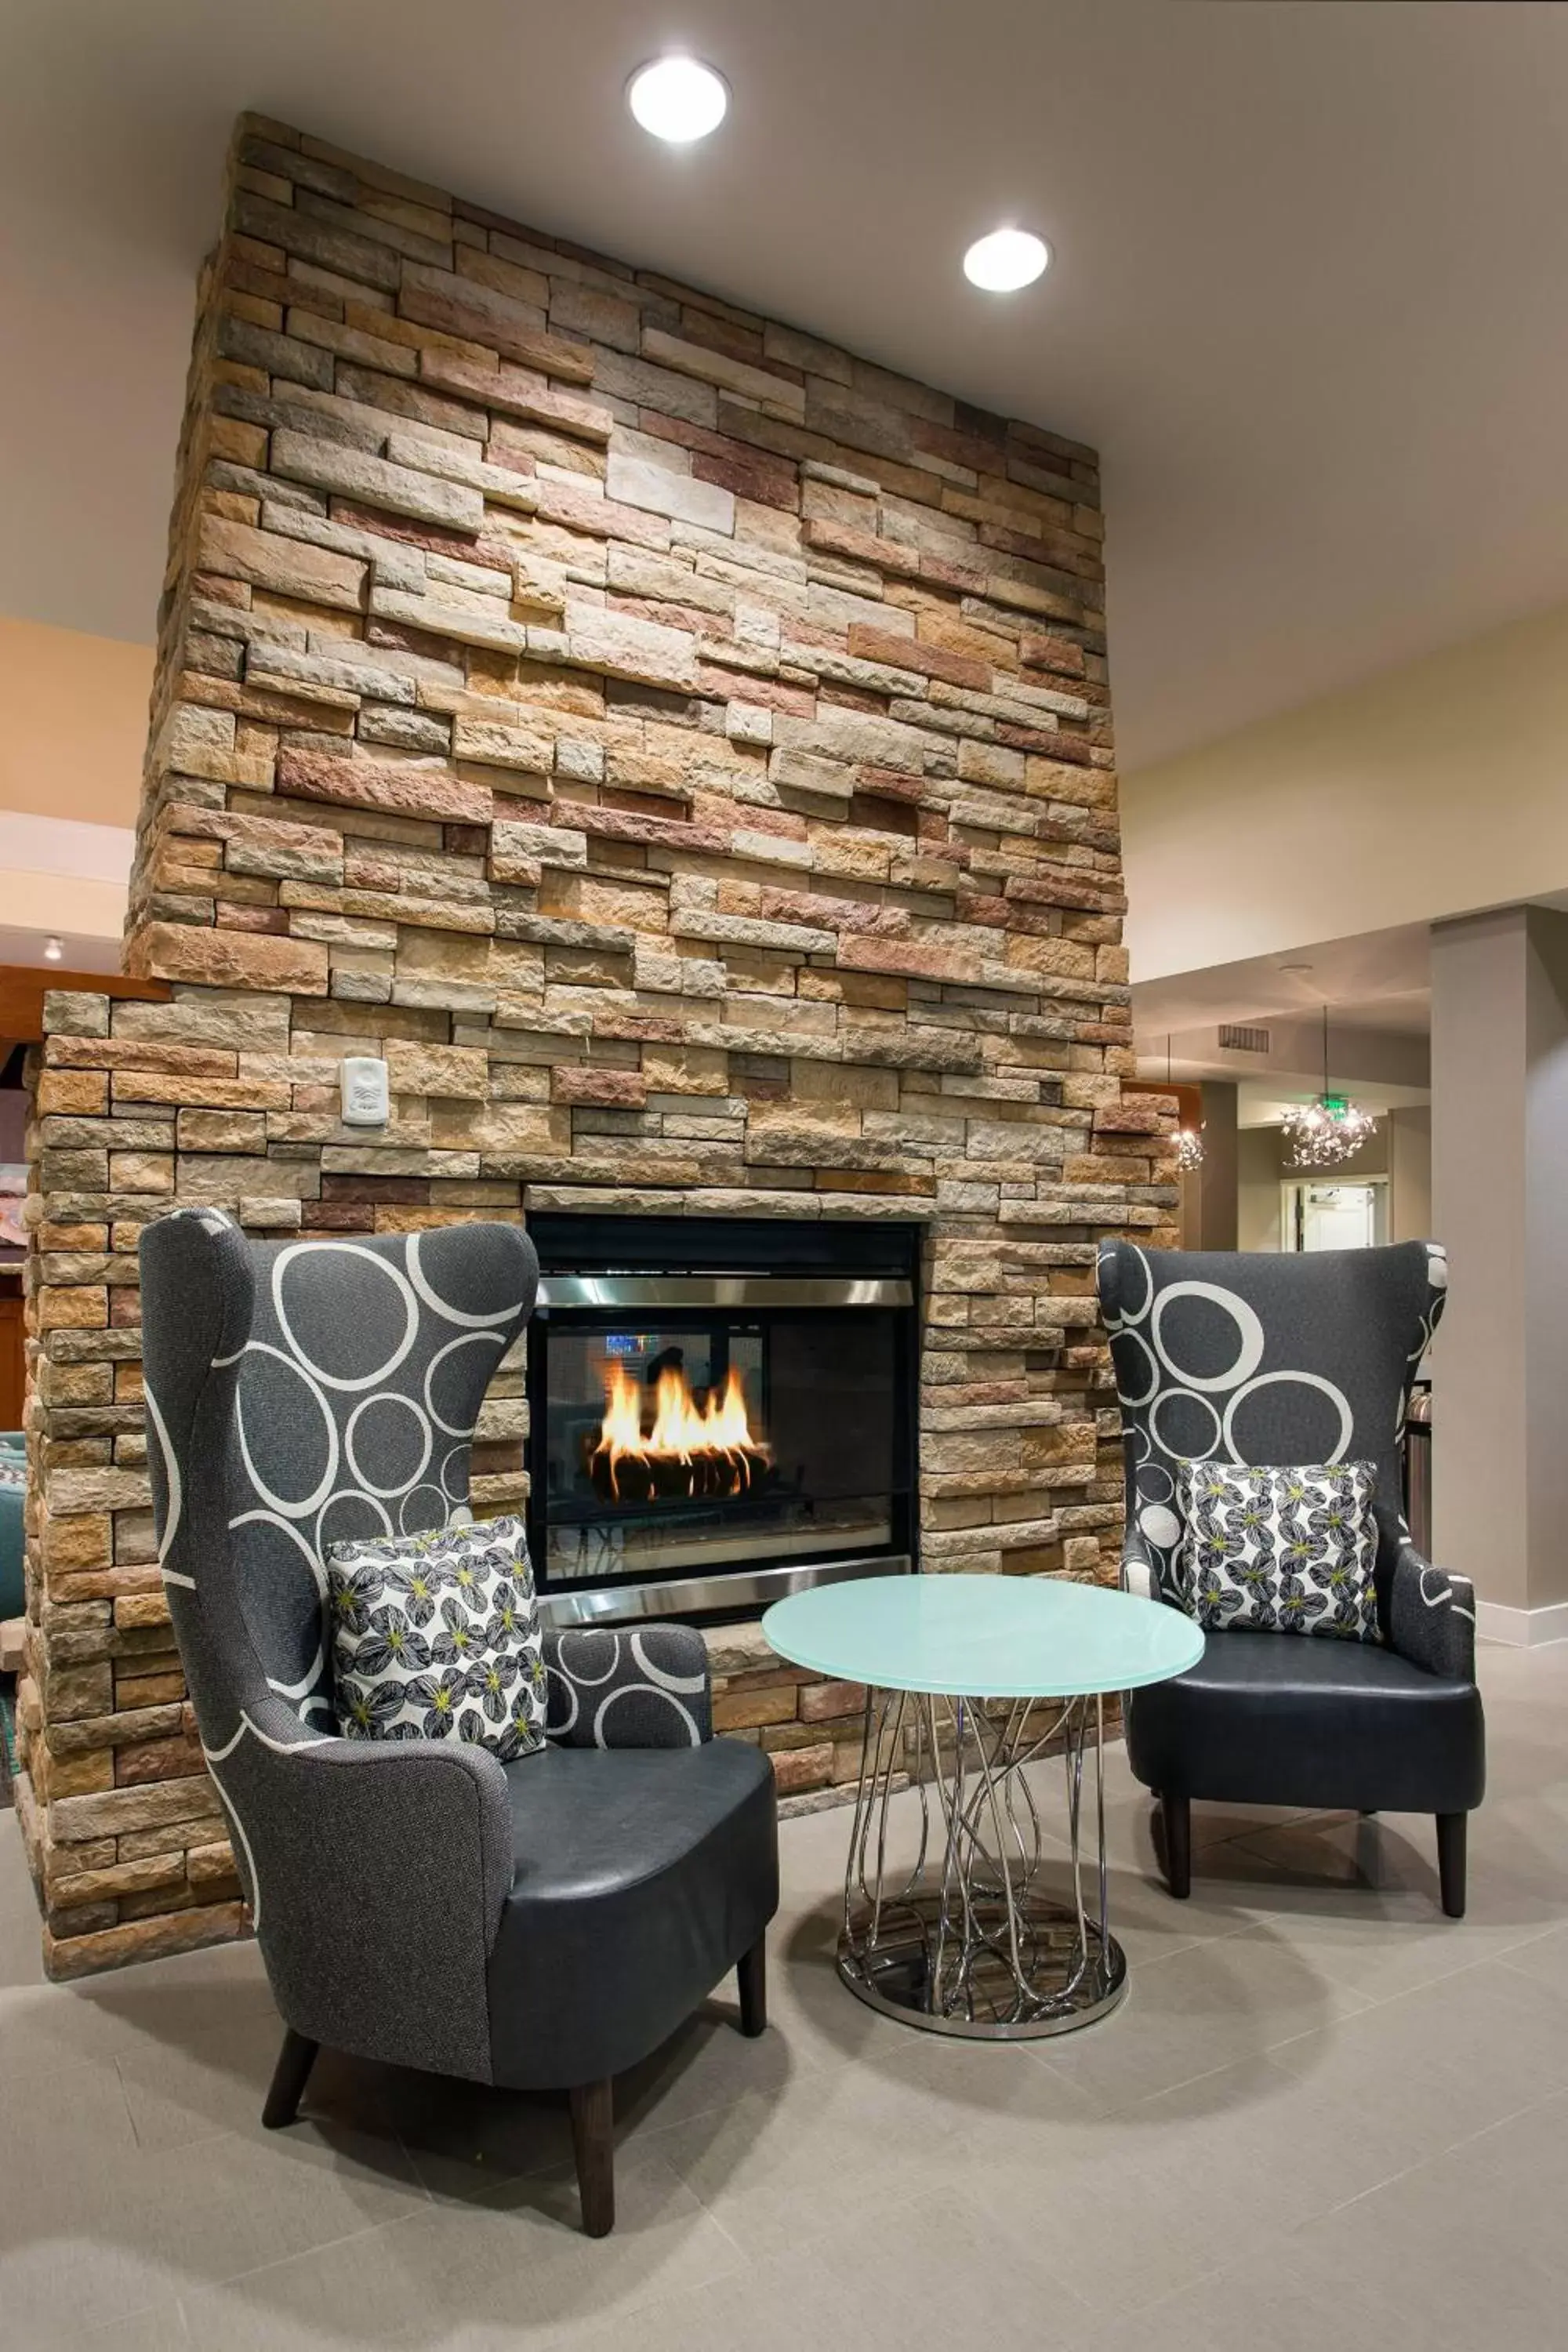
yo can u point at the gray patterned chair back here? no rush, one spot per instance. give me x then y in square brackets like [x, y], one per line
[1265, 1359]
[299, 1393]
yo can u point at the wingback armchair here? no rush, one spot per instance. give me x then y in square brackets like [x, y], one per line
[1282, 1359]
[541, 1924]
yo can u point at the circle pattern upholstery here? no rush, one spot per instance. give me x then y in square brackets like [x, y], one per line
[358, 1391]
[1264, 1360]
[609, 1689]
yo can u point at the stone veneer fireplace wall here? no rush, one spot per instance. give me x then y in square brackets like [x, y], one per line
[682, 750]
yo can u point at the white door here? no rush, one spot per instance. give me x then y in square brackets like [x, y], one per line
[1323, 1217]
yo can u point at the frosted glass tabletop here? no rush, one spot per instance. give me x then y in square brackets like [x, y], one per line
[982, 1636]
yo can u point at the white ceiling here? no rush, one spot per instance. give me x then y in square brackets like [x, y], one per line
[1379, 981]
[1307, 297]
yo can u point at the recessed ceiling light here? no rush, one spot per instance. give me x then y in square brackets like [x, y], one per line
[678, 99]
[53, 951]
[1006, 259]
[1295, 967]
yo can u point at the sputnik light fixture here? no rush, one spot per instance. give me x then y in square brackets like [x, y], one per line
[1324, 1132]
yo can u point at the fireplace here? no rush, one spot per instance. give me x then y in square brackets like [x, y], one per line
[720, 1411]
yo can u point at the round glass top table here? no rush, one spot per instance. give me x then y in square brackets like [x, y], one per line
[969, 1679]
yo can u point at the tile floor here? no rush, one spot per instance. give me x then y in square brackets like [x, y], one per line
[1323, 2114]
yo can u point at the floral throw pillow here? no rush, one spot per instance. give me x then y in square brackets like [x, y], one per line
[1279, 1551]
[436, 1636]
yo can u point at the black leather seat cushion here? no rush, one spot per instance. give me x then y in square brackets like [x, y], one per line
[1287, 1719]
[641, 1876]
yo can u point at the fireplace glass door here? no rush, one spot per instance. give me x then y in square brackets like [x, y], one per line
[700, 1428]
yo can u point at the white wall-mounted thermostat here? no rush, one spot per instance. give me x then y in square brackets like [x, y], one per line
[366, 1099]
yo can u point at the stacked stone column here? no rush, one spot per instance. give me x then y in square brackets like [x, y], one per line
[682, 750]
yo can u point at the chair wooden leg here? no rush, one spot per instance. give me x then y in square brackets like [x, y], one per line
[290, 2077]
[1177, 1813]
[752, 1976]
[594, 2145]
[1451, 1862]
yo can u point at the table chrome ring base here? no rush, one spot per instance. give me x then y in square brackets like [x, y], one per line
[966, 1941]
[895, 1975]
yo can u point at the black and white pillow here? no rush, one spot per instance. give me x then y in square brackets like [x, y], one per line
[436, 1636]
[1281, 1550]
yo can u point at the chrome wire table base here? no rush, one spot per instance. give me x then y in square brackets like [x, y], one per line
[964, 1940]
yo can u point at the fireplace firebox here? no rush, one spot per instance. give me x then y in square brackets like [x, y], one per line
[719, 1411]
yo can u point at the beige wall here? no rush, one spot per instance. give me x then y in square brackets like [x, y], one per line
[1499, 1066]
[73, 905]
[1480, 1487]
[1257, 1188]
[1437, 788]
[1410, 1170]
[75, 723]
[71, 781]
[1401, 1150]
[1217, 1176]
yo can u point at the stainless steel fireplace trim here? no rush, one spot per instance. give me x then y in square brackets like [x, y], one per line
[615, 1604]
[656, 1290]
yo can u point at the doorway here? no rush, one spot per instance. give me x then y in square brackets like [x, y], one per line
[1318, 1216]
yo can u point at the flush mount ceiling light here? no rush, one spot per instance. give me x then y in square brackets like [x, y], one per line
[678, 99]
[1324, 1132]
[1006, 259]
[53, 951]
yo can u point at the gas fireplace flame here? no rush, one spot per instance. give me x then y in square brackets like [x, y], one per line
[690, 1449]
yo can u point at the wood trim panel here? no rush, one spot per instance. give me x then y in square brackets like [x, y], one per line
[23, 989]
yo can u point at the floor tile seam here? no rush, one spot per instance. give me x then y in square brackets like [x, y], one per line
[1378, 2188]
[650, 2129]
[564, 2171]
[1500, 2123]
[286, 2261]
[1120, 2111]
[481, 2197]
[450, 2199]
[1244, 1845]
[410, 2154]
[1052, 2280]
[1448, 1973]
[169, 2308]
[897, 2190]
[1038, 2055]
[665, 2297]
[1507, 1958]
[152, 2148]
[58, 2068]
[1421, 2164]
[1310, 2223]
[630, 2141]
[1393, 1999]
[1219, 2274]
[1115, 2315]
[1191, 1944]
[1534, 1934]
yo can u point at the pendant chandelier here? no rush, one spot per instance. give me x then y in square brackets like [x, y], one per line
[1188, 1141]
[1324, 1132]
